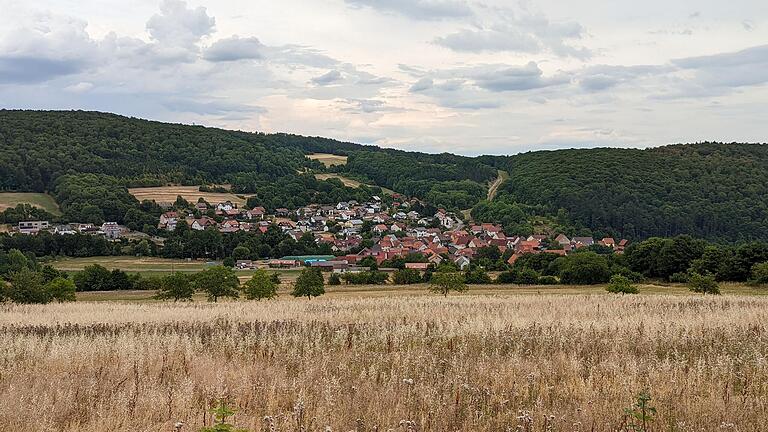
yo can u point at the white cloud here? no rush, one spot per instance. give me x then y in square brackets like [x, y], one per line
[235, 48]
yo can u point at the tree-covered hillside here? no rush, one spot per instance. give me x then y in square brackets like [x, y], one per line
[88, 159]
[710, 190]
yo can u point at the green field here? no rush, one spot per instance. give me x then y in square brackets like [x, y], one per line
[40, 200]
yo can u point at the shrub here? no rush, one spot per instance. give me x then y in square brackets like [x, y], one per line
[705, 284]
[477, 276]
[621, 285]
[759, 274]
[586, 268]
[507, 277]
[334, 279]
[406, 277]
[260, 286]
[679, 277]
[548, 280]
[366, 278]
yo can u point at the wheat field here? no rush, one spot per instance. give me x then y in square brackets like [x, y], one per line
[468, 363]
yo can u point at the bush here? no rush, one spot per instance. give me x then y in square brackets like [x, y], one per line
[679, 277]
[478, 276]
[507, 277]
[406, 277]
[705, 284]
[633, 276]
[759, 274]
[585, 268]
[527, 277]
[334, 279]
[621, 285]
[548, 280]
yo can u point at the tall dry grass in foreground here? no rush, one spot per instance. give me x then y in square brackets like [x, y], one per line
[470, 363]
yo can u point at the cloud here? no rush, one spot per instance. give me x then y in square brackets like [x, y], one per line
[418, 9]
[603, 77]
[178, 25]
[528, 33]
[516, 78]
[747, 67]
[25, 70]
[234, 49]
[425, 83]
[210, 107]
[327, 78]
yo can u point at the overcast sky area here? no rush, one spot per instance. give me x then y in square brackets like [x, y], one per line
[485, 77]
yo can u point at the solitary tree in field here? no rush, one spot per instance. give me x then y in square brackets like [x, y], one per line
[309, 284]
[176, 287]
[621, 285]
[445, 282]
[704, 284]
[217, 282]
[260, 286]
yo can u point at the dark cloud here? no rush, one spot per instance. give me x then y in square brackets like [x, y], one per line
[26, 70]
[418, 9]
[234, 49]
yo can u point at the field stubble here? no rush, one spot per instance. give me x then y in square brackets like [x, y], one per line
[471, 363]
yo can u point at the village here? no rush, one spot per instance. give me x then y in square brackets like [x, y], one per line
[353, 231]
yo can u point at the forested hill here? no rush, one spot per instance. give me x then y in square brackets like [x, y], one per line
[710, 190]
[88, 159]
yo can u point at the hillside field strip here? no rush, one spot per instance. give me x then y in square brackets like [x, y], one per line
[328, 159]
[168, 194]
[40, 200]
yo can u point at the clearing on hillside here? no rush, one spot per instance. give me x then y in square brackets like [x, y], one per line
[348, 181]
[189, 193]
[328, 159]
[40, 200]
[493, 189]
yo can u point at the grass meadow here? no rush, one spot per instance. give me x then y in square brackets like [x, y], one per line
[358, 362]
[40, 200]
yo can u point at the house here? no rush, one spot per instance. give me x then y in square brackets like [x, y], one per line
[111, 230]
[229, 226]
[417, 266]
[380, 229]
[282, 212]
[462, 262]
[168, 220]
[578, 242]
[202, 207]
[435, 259]
[225, 206]
[562, 240]
[32, 227]
[608, 242]
[202, 223]
[397, 227]
[64, 229]
[283, 263]
[257, 213]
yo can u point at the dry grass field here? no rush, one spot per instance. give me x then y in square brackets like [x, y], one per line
[40, 200]
[328, 159]
[402, 363]
[189, 193]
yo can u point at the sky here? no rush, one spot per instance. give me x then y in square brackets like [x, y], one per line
[459, 76]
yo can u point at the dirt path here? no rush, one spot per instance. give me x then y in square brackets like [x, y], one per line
[493, 189]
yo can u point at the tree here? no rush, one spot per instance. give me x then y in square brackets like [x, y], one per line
[584, 268]
[621, 285]
[477, 276]
[177, 286]
[406, 277]
[760, 274]
[93, 278]
[260, 286]
[61, 289]
[445, 282]
[218, 281]
[334, 279]
[241, 253]
[119, 281]
[309, 284]
[27, 288]
[704, 284]
[370, 262]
